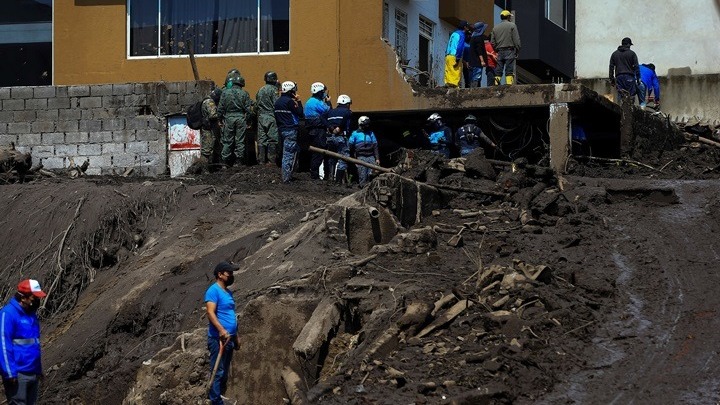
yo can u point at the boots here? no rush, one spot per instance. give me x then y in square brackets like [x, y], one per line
[262, 155]
[271, 153]
[509, 79]
[340, 176]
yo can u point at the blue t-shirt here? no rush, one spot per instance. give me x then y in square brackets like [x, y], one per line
[225, 310]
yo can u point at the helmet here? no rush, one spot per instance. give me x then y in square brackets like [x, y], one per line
[288, 87]
[434, 117]
[316, 87]
[240, 81]
[344, 99]
[215, 94]
[271, 77]
[364, 120]
[470, 118]
[505, 13]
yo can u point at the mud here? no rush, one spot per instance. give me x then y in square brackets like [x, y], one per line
[595, 288]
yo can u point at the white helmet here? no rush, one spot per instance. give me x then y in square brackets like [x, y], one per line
[364, 120]
[344, 99]
[316, 87]
[434, 117]
[288, 87]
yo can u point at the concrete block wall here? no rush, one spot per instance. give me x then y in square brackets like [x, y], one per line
[115, 126]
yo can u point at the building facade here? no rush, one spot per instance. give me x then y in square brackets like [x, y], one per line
[26, 43]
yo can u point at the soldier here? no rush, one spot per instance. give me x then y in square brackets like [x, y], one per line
[236, 108]
[210, 132]
[267, 127]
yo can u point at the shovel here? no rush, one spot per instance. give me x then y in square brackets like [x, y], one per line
[457, 239]
[221, 353]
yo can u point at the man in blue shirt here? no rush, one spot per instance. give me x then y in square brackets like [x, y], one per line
[222, 328]
[337, 140]
[20, 363]
[316, 110]
[649, 84]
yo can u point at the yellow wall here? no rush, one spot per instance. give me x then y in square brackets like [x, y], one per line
[336, 42]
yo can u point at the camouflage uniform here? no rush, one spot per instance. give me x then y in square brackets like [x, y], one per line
[267, 127]
[210, 132]
[236, 109]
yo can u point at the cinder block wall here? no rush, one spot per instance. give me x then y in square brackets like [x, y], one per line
[115, 126]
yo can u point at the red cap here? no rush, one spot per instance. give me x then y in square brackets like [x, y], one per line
[31, 287]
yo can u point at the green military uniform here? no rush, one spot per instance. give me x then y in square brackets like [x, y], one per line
[267, 127]
[210, 131]
[236, 108]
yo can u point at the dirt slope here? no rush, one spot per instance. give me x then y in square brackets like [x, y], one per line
[587, 291]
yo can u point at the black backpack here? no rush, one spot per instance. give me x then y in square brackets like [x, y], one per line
[195, 116]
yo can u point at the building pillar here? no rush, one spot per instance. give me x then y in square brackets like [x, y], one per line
[560, 136]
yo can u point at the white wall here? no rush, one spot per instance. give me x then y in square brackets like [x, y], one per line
[668, 33]
[441, 33]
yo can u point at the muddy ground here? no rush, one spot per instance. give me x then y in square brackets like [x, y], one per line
[597, 288]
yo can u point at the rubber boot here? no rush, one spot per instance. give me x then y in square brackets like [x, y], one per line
[271, 153]
[510, 79]
[497, 80]
[262, 155]
[340, 177]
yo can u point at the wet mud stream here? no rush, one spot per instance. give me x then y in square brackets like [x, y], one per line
[658, 345]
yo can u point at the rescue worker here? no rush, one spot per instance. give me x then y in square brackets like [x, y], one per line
[649, 85]
[469, 134]
[210, 132]
[505, 40]
[236, 108]
[478, 54]
[441, 137]
[222, 328]
[624, 70]
[20, 360]
[288, 115]
[316, 110]
[364, 146]
[338, 132]
[267, 127]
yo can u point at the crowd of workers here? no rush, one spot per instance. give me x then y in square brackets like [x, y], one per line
[470, 52]
[281, 118]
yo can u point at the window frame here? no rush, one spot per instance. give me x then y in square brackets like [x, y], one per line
[386, 21]
[399, 25]
[201, 55]
[564, 25]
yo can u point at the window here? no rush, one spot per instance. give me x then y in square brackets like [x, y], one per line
[556, 11]
[426, 27]
[401, 34]
[26, 43]
[165, 27]
[386, 20]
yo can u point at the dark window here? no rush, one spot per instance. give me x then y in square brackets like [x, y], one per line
[26, 42]
[556, 11]
[167, 27]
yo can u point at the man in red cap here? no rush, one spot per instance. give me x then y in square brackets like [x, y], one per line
[20, 364]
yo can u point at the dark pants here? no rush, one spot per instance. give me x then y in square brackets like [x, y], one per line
[505, 64]
[318, 139]
[625, 85]
[219, 383]
[25, 392]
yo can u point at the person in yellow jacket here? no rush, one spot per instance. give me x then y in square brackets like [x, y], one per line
[454, 54]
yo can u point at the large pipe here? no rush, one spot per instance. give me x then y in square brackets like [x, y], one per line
[374, 213]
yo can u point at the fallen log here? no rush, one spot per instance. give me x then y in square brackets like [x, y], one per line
[324, 320]
[12, 160]
[293, 386]
[386, 170]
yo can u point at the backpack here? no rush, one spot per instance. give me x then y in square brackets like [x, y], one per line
[195, 116]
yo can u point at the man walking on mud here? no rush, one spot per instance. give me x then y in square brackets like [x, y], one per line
[20, 363]
[222, 329]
